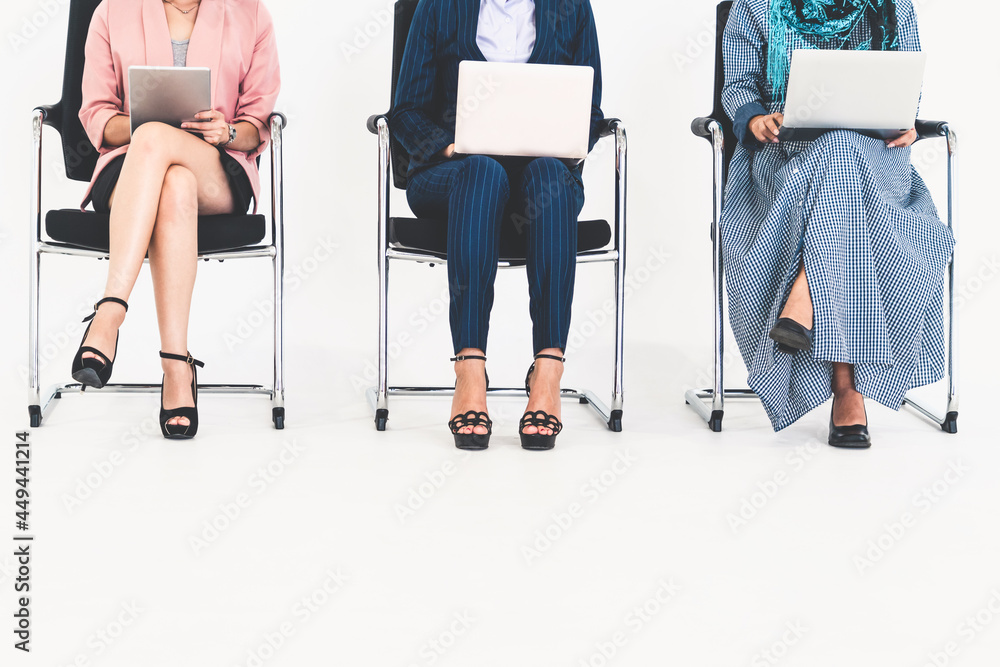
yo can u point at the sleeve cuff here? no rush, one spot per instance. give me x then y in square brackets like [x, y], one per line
[428, 150]
[263, 131]
[99, 123]
[741, 121]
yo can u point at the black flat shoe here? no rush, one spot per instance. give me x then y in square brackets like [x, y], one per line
[849, 437]
[473, 442]
[177, 431]
[791, 336]
[92, 372]
[540, 419]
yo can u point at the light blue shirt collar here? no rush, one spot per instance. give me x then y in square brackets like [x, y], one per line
[506, 32]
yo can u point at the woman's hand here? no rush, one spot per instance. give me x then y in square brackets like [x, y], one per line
[448, 151]
[212, 127]
[766, 128]
[903, 140]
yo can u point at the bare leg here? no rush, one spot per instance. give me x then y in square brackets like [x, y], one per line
[470, 388]
[799, 307]
[173, 263]
[545, 389]
[155, 148]
[849, 404]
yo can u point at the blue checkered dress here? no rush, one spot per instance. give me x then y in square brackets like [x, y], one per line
[860, 217]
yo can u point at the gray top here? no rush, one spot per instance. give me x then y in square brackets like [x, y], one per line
[180, 52]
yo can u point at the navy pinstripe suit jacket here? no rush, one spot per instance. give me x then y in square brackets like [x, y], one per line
[443, 34]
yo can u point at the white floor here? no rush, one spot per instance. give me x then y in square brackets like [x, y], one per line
[666, 543]
[614, 550]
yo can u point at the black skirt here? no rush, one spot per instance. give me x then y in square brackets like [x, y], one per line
[239, 183]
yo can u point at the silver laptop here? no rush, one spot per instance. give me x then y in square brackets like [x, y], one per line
[171, 95]
[523, 109]
[872, 92]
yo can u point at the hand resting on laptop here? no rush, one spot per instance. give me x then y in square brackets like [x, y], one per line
[766, 128]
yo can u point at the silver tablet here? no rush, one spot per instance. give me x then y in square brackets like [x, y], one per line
[171, 95]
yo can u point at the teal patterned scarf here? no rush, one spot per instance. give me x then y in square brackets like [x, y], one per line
[829, 21]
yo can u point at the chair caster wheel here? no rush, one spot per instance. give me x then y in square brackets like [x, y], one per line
[35, 412]
[381, 419]
[715, 423]
[950, 424]
[278, 417]
[615, 423]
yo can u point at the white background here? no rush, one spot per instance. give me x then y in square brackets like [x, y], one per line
[335, 505]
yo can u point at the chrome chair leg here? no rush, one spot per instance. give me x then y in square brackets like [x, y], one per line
[949, 421]
[35, 404]
[278, 388]
[382, 396]
[713, 415]
[278, 239]
[614, 420]
[35, 261]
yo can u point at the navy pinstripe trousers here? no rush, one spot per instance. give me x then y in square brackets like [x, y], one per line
[544, 199]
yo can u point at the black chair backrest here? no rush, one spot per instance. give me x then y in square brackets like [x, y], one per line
[405, 9]
[79, 155]
[718, 112]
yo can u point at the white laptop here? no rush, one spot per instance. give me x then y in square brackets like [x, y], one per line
[872, 92]
[171, 95]
[526, 110]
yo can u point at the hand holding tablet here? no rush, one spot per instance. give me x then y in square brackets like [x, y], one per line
[210, 125]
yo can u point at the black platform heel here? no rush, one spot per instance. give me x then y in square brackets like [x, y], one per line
[791, 336]
[92, 372]
[849, 437]
[472, 441]
[178, 432]
[539, 419]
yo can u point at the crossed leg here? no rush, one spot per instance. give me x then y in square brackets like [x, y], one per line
[169, 177]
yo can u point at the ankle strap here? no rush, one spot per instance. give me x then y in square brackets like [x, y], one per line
[191, 361]
[107, 299]
[550, 356]
[468, 357]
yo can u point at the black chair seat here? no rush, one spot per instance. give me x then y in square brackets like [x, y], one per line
[216, 233]
[431, 237]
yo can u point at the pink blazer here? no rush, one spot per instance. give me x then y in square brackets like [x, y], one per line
[235, 38]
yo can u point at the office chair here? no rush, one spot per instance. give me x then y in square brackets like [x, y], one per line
[717, 129]
[425, 240]
[86, 234]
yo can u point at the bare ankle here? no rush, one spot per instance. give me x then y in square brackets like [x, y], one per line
[175, 369]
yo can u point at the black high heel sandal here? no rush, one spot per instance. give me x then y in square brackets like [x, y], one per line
[92, 372]
[791, 336]
[540, 419]
[472, 441]
[849, 437]
[177, 431]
